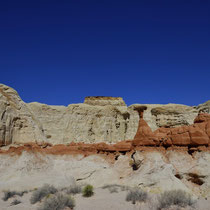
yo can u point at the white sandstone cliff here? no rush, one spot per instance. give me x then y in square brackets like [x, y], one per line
[98, 119]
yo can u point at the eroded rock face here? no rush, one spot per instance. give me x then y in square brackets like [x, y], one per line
[192, 135]
[98, 119]
[17, 124]
[158, 171]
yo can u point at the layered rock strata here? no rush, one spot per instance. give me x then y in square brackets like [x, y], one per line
[197, 134]
[98, 119]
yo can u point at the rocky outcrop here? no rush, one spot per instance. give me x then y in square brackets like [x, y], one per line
[192, 135]
[98, 119]
[17, 124]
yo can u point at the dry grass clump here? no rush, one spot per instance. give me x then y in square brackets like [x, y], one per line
[175, 197]
[136, 195]
[40, 193]
[88, 191]
[58, 201]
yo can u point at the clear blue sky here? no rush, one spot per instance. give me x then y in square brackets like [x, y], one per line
[58, 52]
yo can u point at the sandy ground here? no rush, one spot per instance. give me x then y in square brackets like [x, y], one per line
[101, 200]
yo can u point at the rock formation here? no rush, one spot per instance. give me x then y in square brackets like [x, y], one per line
[192, 135]
[98, 119]
[17, 123]
[104, 101]
[156, 147]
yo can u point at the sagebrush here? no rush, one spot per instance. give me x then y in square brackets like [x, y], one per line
[175, 197]
[136, 195]
[58, 201]
[40, 193]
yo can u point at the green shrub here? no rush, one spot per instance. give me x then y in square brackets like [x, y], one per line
[136, 195]
[40, 193]
[87, 191]
[175, 197]
[58, 202]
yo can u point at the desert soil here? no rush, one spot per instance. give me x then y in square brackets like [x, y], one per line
[101, 200]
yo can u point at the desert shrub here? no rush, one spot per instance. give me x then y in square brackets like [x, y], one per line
[175, 197]
[135, 164]
[58, 202]
[9, 194]
[75, 189]
[87, 191]
[15, 202]
[112, 187]
[136, 195]
[40, 193]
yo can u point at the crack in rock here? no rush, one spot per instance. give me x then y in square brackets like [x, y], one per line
[90, 174]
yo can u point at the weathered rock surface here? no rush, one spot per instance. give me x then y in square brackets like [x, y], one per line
[158, 170]
[192, 135]
[98, 119]
[17, 123]
[104, 101]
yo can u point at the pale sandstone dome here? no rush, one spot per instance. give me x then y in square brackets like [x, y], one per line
[98, 119]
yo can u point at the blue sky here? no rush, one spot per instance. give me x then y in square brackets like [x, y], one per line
[58, 52]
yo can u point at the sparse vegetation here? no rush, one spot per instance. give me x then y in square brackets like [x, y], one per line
[40, 193]
[58, 202]
[87, 191]
[74, 189]
[112, 187]
[175, 197]
[135, 164]
[15, 202]
[9, 194]
[136, 195]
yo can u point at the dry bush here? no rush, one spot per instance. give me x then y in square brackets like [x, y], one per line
[175, 197]
[136, 195]
[9, 194]
[40, 193]
[74, 189]
[58, 202]
[114, 187]
[15, 202]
